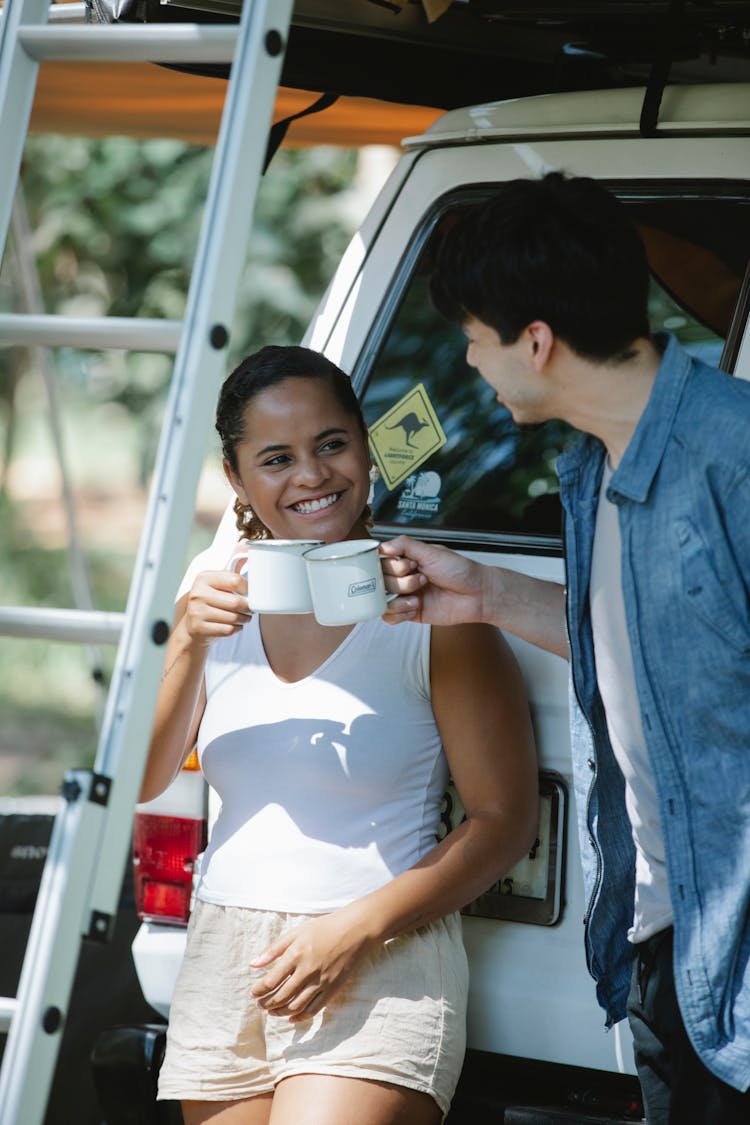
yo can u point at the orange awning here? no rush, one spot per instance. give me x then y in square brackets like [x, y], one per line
[145, 100]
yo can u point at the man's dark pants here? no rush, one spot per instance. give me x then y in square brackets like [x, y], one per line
[677, 1088]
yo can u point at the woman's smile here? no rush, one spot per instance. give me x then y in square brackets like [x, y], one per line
[310, 507]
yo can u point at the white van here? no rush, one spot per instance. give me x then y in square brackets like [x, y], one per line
[538, 1051]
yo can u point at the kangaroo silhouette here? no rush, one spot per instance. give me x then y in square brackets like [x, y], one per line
[411, 425]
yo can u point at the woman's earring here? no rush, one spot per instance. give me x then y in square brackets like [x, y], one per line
[374, 478]
[248, 524]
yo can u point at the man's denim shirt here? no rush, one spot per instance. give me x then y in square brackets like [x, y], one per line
[683, 493]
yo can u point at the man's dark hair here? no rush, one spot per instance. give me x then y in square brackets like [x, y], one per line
[559, 249]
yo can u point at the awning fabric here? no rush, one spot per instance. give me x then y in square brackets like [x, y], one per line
[145, 100]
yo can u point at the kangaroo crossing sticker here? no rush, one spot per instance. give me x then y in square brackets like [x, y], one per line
[405, 436]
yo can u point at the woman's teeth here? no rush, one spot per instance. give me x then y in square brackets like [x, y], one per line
[306, 507]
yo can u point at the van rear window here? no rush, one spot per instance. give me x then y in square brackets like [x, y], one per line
[478, 478]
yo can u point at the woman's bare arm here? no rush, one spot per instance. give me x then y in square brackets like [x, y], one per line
[480, 704]
[214, 607]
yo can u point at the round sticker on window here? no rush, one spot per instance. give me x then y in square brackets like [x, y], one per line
[420, 496]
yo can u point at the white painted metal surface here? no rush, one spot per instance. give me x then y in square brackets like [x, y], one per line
[709, 109]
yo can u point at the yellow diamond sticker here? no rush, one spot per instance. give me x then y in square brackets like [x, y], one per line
[405, 436]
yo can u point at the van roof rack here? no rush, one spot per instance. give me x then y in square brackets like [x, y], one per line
[485, 50]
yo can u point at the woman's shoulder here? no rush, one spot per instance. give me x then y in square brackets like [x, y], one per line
[404, 649]
[402, 635]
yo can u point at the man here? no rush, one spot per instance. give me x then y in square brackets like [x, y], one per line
[549, 281]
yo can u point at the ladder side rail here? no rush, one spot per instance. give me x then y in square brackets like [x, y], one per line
[200, 367]
[18, 75]
[24, 1091]
[129, 714]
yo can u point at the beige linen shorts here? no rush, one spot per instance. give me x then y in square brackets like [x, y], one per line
[401, 1019]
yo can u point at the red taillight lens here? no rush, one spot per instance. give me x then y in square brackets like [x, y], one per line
[164, 853]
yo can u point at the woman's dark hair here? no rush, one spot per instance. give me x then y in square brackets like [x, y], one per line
[559, 249]
[266, 368]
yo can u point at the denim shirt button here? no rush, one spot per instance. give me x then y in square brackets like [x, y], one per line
[591, 764]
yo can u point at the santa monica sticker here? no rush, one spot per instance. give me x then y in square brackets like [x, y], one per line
[405, 436]
[420, 497]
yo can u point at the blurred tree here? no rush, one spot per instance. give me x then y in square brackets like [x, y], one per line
[116, 224]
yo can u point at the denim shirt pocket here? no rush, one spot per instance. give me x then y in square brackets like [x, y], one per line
[705, 592]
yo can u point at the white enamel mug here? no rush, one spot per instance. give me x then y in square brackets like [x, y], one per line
[346, 582]
[276, 575]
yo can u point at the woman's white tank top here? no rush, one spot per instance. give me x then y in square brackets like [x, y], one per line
[330, 786]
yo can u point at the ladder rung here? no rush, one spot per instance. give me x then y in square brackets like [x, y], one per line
[170, 43]
[77, 625]
[8, 1005]
[131, 333]
[67, 13]
[63, 13]
[220, 7]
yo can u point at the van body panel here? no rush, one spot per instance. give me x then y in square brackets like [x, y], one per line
[530, 995]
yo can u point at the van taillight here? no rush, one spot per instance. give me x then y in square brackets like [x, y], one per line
[164, 854]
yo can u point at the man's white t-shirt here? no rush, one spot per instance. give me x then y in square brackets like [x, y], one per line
[616, 680]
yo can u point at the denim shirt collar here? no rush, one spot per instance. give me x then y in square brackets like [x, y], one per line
[635, 473]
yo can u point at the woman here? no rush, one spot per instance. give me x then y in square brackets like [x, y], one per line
[325, 978]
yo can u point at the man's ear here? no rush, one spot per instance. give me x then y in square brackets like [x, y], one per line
[541, 341]
[235, 481]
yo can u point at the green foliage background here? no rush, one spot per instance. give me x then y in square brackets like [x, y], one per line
[115, 224]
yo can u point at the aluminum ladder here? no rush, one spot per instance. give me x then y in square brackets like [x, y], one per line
[81, 881]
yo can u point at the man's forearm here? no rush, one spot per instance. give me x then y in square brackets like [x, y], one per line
[530, 608]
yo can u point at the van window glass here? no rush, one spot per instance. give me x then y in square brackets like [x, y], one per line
[488, 479]
[698, 251]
